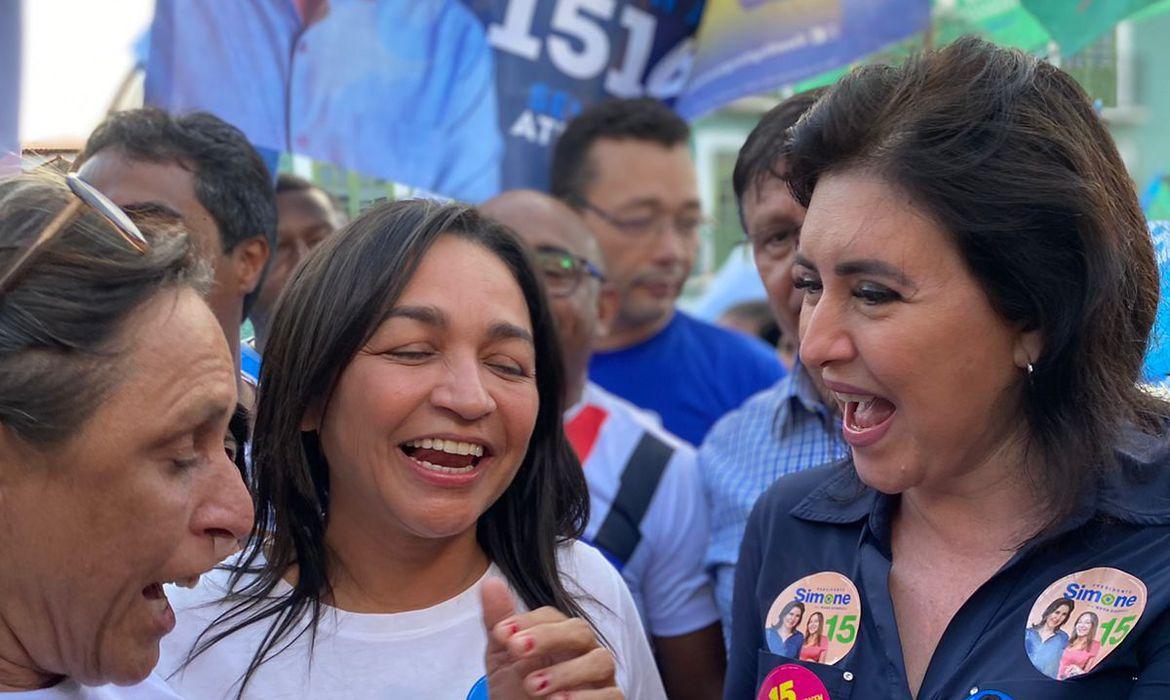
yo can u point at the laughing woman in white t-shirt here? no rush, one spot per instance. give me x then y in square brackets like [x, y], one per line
[408, 461]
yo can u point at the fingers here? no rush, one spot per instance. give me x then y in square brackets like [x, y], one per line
[592, 670]
[556, 656]
[497, 604]
[505, 628]
[562, 638]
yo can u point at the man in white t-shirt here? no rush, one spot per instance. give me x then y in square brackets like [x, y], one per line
[647, 514]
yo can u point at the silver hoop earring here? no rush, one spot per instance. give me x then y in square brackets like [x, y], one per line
[1031, 369]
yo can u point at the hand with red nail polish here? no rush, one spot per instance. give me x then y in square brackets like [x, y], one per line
[542, 652]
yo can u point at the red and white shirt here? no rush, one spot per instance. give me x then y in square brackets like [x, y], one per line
[647, 513]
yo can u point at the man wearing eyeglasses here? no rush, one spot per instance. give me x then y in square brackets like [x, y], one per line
[625, 166]
[201, 171]
[647, 513]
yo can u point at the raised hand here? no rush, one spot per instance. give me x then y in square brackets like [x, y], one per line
[542, 653]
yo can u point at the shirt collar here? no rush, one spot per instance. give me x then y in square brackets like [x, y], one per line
[801, 388]
[1138, 492]
[796, 394]
[840, 499]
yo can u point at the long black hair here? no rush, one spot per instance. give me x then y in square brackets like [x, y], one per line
[331, 307]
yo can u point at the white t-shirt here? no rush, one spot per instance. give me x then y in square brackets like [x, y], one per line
[153, 688]
[657, 521]
[432, 653]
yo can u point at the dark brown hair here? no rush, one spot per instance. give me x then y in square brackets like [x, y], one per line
[767, 145]
[1007, 155]
[61, 322]
[639, 119]
[331, 307]
[231, 180]
[1053, 607]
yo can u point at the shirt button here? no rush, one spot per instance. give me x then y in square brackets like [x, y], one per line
[303, 47]
[972, 691]
[303, 141]
[848, 675]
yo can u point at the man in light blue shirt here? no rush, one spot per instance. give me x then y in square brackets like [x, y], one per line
[791, 425]
[396, 89]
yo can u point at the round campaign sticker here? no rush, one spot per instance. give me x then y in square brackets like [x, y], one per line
[815, 619]
[792, 682]
[1077, 621]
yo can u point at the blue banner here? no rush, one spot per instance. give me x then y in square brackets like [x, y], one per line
[10, 29]
[464, 98]
[745, 47]
[554, 57]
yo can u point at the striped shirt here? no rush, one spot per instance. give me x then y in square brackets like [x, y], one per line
[781, 430]
[647, 514]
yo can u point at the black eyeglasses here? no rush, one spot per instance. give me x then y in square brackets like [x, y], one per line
[645, 227]
[84, 193]
[563, 272]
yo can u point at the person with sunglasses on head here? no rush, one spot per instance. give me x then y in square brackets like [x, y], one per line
[116, 390]
[418, 505]
[202, 172]
[647, 513]
[625, 167]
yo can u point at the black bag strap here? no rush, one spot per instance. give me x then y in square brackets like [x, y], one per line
[621, 531]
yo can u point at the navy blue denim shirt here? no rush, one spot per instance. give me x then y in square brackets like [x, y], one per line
[825, 519]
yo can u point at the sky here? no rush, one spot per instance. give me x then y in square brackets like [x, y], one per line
[75, 55]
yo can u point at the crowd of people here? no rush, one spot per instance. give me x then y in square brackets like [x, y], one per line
[479, 452]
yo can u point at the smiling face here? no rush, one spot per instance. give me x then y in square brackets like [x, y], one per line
[1058, 617]
[928, 375]
[143, 494]
[792, 619]
[430, 421]
[814, 624]
[1084, 624]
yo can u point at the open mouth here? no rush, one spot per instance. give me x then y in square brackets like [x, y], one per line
[156, 599]
[866, 412]
[865, 417]
[155, 590]
[446, 456]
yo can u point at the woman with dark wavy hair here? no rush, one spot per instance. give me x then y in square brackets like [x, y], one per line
[979, 287]
[408, 448]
